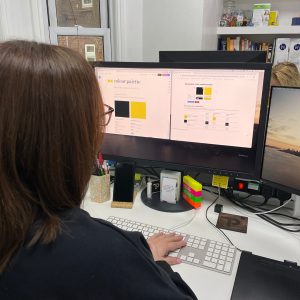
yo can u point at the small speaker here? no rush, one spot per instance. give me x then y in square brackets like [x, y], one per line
[124, 182]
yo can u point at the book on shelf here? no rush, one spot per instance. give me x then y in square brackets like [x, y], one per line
[243, 44]
[280, 50]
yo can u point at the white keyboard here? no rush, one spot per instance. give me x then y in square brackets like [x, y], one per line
[200, 252]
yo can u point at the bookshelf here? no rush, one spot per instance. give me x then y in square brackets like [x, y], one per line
[268, 30]
[260, 37]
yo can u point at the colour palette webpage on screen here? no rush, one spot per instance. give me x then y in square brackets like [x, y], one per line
[196, 105]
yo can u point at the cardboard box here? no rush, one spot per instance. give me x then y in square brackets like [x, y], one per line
[261, 14]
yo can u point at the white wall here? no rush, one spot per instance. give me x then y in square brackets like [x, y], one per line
[126, 29]
[143, 27]
[171, 25]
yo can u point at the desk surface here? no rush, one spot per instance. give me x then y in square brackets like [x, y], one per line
[262, 239]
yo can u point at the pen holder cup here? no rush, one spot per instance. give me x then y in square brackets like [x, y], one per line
[100, 188]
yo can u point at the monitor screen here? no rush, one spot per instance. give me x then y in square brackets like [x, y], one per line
[204, 116]
[213, 56]
[281, 162]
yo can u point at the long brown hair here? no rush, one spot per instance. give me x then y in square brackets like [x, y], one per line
[51, 113]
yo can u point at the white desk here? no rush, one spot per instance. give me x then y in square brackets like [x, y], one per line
[262, 239]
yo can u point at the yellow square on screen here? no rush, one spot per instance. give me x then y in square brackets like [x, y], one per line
[207, 91]
[138, 110]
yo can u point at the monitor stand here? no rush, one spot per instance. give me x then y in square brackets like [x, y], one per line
[156, 204]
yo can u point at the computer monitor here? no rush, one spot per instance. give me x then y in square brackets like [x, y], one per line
[213, 56]
[281, 163]
[208, 117]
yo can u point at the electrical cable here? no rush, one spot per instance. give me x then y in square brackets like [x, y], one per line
[186, 222]
[284, 215]
[275, 209]
[263, 216]
[206, 216]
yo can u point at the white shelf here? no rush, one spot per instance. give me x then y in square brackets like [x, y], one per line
[276, 30]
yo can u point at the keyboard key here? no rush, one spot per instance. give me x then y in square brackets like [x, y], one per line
[183, 257]
[196, 261]
[209, 264]
[173, 254]
[189, 259]
[220, 267]
[227, 267]
[191, 254]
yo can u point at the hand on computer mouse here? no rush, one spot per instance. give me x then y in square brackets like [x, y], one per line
[161, 244]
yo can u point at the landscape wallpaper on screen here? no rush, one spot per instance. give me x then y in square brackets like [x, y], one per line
[282, 153]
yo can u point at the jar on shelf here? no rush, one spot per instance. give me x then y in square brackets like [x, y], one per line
[228, 16]
[239, 15]
[247, 17]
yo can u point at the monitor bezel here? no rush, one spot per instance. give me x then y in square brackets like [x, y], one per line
[266, 181]
[267, 67]
[256, 56]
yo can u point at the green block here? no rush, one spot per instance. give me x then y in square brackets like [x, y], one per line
[192, 197]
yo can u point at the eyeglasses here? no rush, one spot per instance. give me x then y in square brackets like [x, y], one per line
[108, 110]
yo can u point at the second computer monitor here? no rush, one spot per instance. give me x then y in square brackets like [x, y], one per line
[281, 166]
[213, 56]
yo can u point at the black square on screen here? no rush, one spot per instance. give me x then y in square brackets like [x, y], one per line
[122, 109]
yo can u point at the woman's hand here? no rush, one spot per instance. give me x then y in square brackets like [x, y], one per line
[161, 244]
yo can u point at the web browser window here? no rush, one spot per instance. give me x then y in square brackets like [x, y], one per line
[141, 99]
[215, 106]
[209, 106]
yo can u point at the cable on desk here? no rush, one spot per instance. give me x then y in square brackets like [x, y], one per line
[252, 209]
[284, 215]
[273, 210]
[206, 212]
[186, 222]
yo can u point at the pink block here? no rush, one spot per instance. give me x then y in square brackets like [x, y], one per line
[196, 194]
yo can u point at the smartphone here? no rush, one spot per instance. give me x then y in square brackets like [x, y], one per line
[124, 182]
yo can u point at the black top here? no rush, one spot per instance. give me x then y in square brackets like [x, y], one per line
[91, 259]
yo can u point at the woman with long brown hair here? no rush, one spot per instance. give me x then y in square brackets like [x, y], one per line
[52, 120]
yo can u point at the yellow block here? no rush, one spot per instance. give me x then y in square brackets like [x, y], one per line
[207, 91]
[191, 182]
[138, 110]
[220, 181]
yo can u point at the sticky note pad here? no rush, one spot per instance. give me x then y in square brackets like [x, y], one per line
[220, 181]
[138, 110]
[137, 176]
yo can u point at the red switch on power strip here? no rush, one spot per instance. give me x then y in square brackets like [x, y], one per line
[241, 186]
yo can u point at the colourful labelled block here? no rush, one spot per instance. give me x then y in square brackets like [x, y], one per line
[138, 110]
[189, 201]
[207, 91]
[190, 190]
[192, 183]
[193, 198]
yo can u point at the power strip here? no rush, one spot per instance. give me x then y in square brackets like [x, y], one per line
[259, 199]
